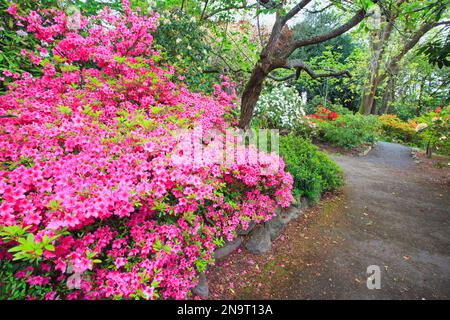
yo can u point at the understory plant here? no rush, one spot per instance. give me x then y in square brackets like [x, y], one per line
[317, 102]
[429, 131]
[349, 131]
[397, 130]
[433, 129]
[93, 204]
[325, 114]
[281, 108]
[313, 171]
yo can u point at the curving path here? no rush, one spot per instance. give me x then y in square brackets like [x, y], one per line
[391, 214]
[395, 217]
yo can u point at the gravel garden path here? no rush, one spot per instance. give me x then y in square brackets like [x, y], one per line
[391, 213]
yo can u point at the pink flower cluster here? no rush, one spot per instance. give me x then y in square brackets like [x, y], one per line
[88, 151]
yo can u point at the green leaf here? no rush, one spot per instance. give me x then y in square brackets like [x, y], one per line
[30, 238]
[49, 247]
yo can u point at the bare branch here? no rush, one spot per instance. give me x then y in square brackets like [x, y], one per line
[282, 79]
[300, 65]
[238, 70]
[443, 23]
[258, 24]
[320, 10]
[224, 70]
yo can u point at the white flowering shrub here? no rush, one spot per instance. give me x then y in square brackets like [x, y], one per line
[281, 107]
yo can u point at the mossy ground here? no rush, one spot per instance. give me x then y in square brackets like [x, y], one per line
[266, 276]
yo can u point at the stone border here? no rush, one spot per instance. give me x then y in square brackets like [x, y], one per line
[414, 154]
[365, 152]
[256, 239]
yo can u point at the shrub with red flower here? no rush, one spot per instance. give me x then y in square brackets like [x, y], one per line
[325, 114]
[92, 205]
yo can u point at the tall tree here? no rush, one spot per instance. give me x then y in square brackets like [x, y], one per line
[404, 22]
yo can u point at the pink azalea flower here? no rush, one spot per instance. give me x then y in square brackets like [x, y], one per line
[12, 9]
[38, 280]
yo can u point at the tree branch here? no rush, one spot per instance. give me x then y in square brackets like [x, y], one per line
[393, 64]
[320, 10]
[227, 63]
[300, 65]
[282, 79]
[204, 9]
[357, 18]
[296, 9]
[258, 24]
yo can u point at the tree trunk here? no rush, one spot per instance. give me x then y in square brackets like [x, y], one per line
[429, 151]
[374, 109]
[251, 94]
[371, 89]
[378, 39]
[369, 98]
[386, 98]
[391, 67]
[419, 103]
[388, 95]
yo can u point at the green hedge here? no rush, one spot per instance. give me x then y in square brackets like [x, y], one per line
[313, 172]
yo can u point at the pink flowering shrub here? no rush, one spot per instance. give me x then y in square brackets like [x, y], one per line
[92, 205]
